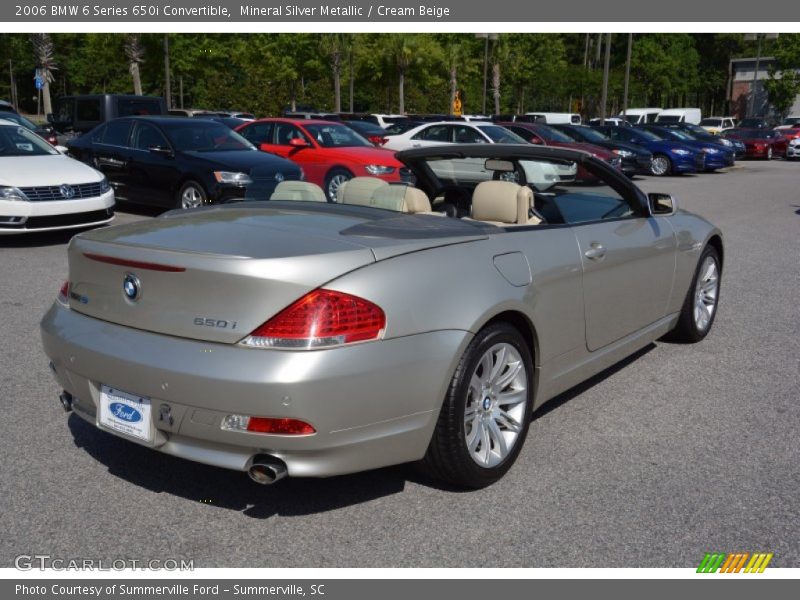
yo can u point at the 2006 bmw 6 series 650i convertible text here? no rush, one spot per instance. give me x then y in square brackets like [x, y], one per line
[400, 323]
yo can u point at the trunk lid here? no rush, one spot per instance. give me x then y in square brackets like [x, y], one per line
[216, 274]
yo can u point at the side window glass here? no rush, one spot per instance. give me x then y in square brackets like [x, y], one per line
[146, 137]
[88, 110]
[435, 133]
[116, 133]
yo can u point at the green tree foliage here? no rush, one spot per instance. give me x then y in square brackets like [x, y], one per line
[267, 73]
[783, 84]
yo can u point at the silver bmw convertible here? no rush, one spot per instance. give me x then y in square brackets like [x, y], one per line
[421, 322]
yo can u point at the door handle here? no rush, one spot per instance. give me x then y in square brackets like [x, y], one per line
[596, 251]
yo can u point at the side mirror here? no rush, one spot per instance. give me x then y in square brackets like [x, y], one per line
[161, 150]
[535, 140]
[662, 205]
[298, 143]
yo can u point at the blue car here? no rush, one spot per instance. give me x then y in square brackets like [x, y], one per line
[669, 158]
[700, 134]
[717, 155]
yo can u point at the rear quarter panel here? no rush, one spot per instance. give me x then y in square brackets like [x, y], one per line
[459, 287]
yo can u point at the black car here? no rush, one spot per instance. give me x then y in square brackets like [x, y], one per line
[180, 162]
[754, 123]
[374, 133]
[635, 159]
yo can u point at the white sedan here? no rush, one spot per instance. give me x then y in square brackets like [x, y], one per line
[459, 132]
[41, 189]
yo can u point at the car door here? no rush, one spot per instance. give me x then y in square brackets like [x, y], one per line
[309, 157]
[111, 154]
[627, 256]
[152, 167]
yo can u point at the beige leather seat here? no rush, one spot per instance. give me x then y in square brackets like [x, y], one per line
[302, 191]
[503, 203]
[359, 190]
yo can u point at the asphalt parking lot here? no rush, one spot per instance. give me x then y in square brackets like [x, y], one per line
[677, 451]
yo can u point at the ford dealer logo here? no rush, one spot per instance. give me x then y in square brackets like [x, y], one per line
[125, 412]
[67, 191]
[131, 287]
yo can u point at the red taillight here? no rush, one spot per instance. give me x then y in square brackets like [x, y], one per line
[320, 319]
[279, 426]
[63, 294]
[378, 140]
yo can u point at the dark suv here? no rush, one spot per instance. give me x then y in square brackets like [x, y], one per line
[75, 115]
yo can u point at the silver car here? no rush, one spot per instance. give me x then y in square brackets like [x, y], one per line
[402, 323]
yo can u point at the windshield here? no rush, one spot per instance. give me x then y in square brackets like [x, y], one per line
[205, 137]
[21, 141]
[552, 135]
[668, 119]
[333, 135]
[648, 135]
[401, 127]
[681, 135]
[18, 119]
[587, 134]
[711, 122]
[758, 134]
[501, 135]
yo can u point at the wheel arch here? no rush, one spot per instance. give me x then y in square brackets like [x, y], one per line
[521, 323]
[715, 241]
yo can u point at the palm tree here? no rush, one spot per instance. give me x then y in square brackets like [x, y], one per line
[134, 52]
[402, 50]
[44, 51]
[334, 46]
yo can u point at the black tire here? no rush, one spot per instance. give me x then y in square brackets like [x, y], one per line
[188, 186]
[687, 330]
[333, 179]
[667, 170]
[448, 457]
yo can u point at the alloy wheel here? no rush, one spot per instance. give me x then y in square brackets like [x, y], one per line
[496, 405]
[660, 165]
[191, 197]
[706, 293]
[335, 183]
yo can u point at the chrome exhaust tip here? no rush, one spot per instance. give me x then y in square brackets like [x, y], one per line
[66, 400]
[267, 470]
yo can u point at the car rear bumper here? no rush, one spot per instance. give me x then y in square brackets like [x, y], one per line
[25, 217]
[372, 404]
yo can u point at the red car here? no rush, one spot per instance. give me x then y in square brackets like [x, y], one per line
[760, 143]
[329, 153]
[536, 133]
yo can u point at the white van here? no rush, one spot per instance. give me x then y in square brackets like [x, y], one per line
[641, 116]
[552, 117]
[680, 115]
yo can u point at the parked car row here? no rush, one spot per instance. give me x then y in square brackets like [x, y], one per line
[174, 161]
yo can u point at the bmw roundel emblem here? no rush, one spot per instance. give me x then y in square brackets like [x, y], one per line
[279, 177]
[131, 287]
[67, 191]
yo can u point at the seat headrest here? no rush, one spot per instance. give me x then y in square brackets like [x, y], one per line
[501, 201]
[359, 190]
[401, 198]
[303, 191]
